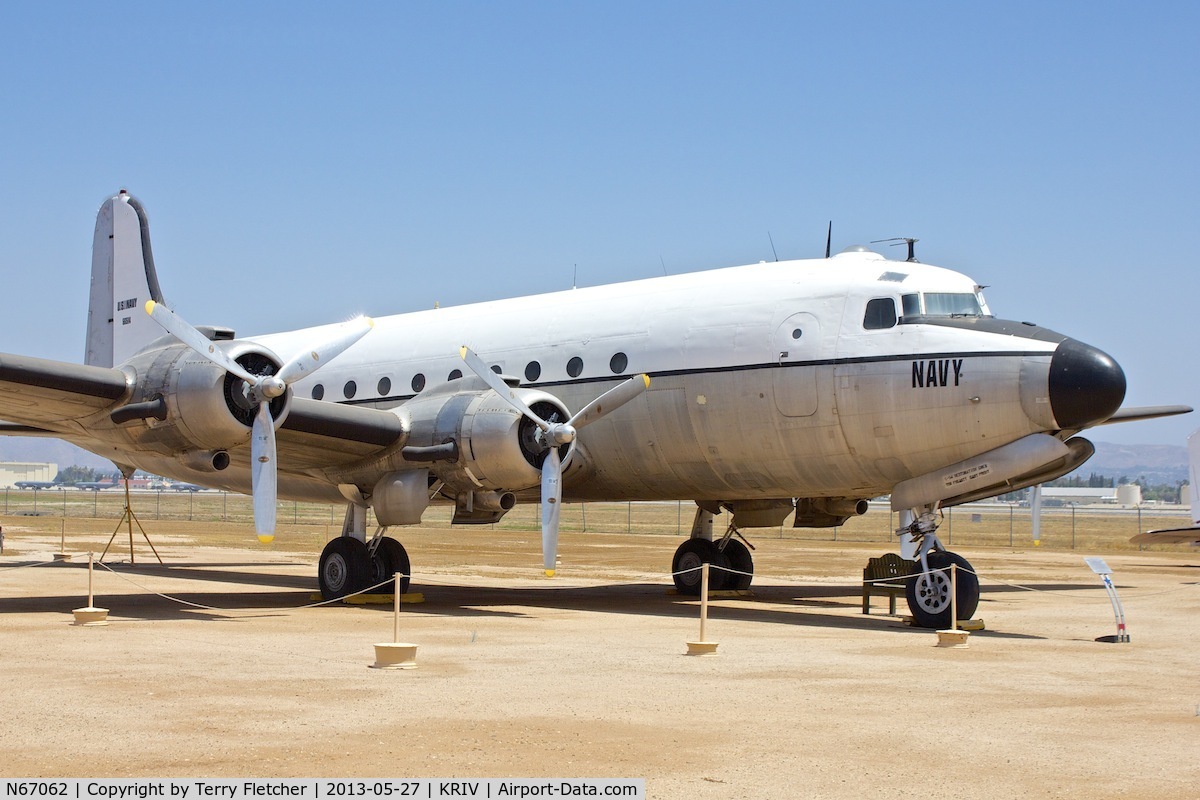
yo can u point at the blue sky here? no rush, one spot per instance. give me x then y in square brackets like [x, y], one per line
[303, 162]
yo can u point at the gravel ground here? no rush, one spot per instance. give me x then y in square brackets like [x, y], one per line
[585, 675]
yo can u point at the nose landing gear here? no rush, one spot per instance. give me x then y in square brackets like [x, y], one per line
[928, 591]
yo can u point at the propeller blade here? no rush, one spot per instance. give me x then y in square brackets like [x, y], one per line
[175, 325]
[556, 434]
[500, 387]
[551, 501]
[263, 388]
[306, 363]
[610, 401]
[262, 473]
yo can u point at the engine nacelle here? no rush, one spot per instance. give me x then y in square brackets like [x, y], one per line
[495, 450]
[206, 408]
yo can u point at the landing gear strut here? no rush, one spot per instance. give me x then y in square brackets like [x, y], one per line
[350, 564]
[928, 591]
[727, 553]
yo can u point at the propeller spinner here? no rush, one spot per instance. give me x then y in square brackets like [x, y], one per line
[261, 390]
[552, 435]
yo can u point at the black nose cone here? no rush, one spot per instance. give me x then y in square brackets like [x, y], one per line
[1086, 385]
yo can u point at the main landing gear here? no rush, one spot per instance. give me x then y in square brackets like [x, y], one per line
[350, 563]
[731, 557]
[928, 591]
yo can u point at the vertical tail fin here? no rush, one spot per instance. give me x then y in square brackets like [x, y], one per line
[123, 279]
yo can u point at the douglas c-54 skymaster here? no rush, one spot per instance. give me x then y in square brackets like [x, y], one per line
[795, 387]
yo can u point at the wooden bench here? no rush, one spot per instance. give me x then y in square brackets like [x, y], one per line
[885, 575]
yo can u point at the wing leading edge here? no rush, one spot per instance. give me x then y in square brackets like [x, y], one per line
[52, 395]
[41, 397]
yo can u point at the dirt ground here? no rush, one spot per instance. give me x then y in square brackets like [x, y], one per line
[584, 675]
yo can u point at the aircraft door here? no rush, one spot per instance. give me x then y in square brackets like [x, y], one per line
[797, 347]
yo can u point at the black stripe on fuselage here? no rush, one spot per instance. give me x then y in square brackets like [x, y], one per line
[673, 373]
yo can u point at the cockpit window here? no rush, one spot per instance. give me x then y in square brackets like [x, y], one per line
[946, 304]
[912, 305]
[881, 313]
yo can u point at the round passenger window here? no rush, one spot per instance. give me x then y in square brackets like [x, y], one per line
[575, 366]
[385, 386]
[618, 363]
[418, 382]
[318, 392]
[350, 389]
[797, 333]
[454, 375]
[533, 371]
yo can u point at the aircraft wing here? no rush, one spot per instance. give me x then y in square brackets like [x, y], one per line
[1181, 535]
[49, 395]
[1169, 536]
[320, 434]
[40, 397]
[1135, 413]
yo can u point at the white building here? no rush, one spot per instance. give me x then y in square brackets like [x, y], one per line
[13, 471]
[1079, 495]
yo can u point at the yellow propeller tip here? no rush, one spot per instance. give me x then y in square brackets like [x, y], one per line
[266, 538]
[150, 304]
[646, 378]
[549, 573]
[462, 351]
[370, 322]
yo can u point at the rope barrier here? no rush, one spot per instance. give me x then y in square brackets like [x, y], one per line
[247, 611]
[27, 566]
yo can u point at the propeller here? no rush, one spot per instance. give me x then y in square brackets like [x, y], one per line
[262, 389]
[553, 435]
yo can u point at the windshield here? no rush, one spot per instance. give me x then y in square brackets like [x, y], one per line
[945, 304]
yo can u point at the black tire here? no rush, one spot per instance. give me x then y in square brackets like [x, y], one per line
[692, 554]
[390, 558]
[344, 568]
[739, 559]
[929, 595]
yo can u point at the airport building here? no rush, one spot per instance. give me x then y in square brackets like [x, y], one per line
[13, 471]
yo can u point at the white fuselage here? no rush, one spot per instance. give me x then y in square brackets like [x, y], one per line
[765, 382]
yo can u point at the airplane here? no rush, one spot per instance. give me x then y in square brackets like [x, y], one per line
[95, 486]
[793, 388]
[36, 485]
[1181, 535]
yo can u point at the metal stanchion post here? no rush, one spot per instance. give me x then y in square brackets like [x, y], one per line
[703, 647]
[953, 637]
[395, 654]
[91, 616]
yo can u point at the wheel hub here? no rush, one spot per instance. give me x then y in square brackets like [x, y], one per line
[933, 591]
[335, 572]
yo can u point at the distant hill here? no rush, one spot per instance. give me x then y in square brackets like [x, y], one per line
[1157, 463]
[53, 451]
